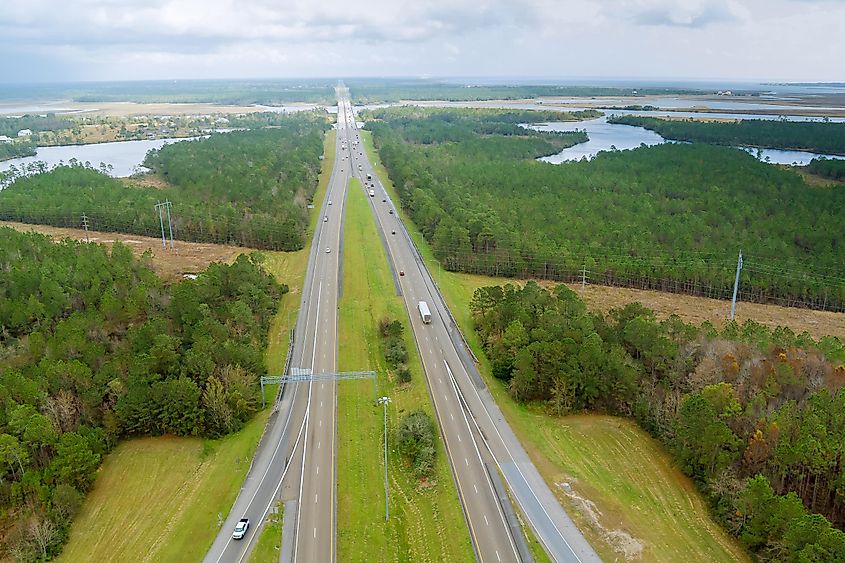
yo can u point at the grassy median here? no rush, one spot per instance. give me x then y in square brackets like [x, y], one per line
[627, 496]
[426, 521]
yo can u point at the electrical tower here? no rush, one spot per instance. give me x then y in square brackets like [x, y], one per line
[162, 208]
[85, 226]
[736, 284]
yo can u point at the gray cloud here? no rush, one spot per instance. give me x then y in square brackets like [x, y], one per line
[687, 15]
[557, 38]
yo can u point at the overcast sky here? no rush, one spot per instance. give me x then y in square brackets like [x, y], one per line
[60, 40]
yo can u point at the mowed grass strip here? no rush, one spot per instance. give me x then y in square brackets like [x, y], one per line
[158, 499]
[269, 545]
[628, 476]
[426, 521]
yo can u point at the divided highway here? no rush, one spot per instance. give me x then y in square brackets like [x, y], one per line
[296, 462]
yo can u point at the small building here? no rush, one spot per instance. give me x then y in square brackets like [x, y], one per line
[24, 133]
[5, 139]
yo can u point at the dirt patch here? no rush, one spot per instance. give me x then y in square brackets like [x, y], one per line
[145, 181]
[815, 180]
[622, 542]
[186, 257]
[699, 309]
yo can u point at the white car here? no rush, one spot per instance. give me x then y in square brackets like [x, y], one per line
[240, 529]
[330, 202]
[328, 250]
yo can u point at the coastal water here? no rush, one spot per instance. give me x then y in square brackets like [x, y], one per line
[118, 159]
[606, 136]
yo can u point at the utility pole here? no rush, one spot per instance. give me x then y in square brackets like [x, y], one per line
[85, 226]
[584, 277]
[736, 284]
[383, 401]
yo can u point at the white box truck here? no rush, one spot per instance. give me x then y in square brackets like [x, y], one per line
[425, 314]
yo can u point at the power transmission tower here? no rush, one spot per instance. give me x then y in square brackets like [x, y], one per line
[736, 284]
[161, 207]
[85, 226]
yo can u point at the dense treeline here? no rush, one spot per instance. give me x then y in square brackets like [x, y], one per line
[815, 136]
[827, 168]
[248, 188]
[367, 92]
[756, 417]
[93, 347]
[16, 149]
[669, 217]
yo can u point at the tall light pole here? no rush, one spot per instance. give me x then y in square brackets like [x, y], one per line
[383, 401]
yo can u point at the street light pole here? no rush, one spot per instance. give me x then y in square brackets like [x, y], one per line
[383, 401]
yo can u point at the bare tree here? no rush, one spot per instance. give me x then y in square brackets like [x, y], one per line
[43, 533]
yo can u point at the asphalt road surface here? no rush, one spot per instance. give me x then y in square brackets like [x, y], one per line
[472, 425]
[295, 458]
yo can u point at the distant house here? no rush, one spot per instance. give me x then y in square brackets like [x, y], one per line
[5, 139]
[24, 133]
[221, 120]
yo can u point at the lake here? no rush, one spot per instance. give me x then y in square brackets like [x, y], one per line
[124, 157]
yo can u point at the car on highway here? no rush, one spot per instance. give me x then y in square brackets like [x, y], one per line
[330, 202]
[325, 218]
[390, 211]
[384, 200]
[328, 250]
[401, 272]
[393, 232]
[240, 529]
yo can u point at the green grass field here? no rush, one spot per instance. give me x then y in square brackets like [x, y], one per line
[610, 462]
[158, 499]
[426, 522]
